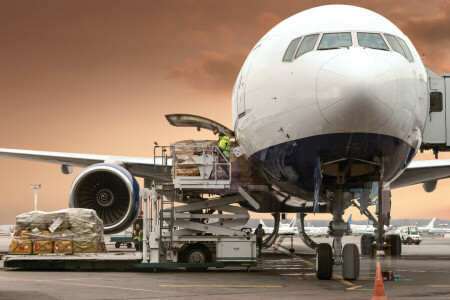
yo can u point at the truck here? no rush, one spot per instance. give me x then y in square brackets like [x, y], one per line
[409, 235]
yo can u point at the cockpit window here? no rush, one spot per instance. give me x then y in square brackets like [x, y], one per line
[335, 41]
[395, 45]
[291, 50]
[307, 44]
[371, 40]
[406, 49]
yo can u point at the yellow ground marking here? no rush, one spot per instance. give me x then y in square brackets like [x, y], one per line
[220, 285]
[439, 285]
[352, 288]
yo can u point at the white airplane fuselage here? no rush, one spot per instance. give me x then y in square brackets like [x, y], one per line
[352, 101]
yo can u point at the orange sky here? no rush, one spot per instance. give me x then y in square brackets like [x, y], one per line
[98, 76]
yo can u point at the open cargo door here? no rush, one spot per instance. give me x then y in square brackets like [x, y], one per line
[184, 120]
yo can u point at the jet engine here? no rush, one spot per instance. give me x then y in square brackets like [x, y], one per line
[429, 186]
[111, 191]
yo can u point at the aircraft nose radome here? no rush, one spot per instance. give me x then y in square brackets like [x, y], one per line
[357, 91]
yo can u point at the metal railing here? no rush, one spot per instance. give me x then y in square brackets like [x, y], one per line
[208, 159]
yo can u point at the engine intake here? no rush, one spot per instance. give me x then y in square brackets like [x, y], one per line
[111, 191]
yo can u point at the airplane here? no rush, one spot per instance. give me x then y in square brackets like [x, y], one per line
[330, 100]
[430, 229]
[360, 229]
[317, 231]
[427, 228]
[364, 229]
[284, 229]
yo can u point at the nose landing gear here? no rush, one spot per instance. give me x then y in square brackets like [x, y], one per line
[327, 256]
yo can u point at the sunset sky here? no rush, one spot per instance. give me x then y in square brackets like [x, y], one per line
[98, 77]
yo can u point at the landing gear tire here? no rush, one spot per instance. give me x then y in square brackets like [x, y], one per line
[117, 245]
[395, 243]
[324, 261]
[350, 262]
[293, 250]
[366, 244]
[197, 254]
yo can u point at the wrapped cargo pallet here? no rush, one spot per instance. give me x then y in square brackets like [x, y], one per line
[184, 153]
[68, 231]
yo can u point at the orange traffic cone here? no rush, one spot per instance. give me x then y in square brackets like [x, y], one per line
[378, 292]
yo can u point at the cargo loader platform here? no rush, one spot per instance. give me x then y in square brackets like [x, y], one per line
[103, 261]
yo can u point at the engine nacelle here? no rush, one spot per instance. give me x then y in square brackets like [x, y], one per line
[111, 191]
[429, 186]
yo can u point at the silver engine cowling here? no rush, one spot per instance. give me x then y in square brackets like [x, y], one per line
[111, 191]
[429, 186]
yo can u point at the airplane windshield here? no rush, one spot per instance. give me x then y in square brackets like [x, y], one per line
[371, 40]
[335, 41]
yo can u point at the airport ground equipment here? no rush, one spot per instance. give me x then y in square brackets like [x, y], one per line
[188, 221]
[436, 135]
[409, 235]
[122, 239]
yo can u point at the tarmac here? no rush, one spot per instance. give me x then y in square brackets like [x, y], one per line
[424, 272]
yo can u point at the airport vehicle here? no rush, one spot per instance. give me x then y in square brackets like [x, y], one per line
[409, 235]
[122, 238]
[331, 101]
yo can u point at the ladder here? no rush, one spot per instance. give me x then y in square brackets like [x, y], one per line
[165, 203]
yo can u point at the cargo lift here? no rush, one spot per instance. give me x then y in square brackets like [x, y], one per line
[189, 220]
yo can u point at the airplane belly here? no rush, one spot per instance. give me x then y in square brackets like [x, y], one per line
[290, 165]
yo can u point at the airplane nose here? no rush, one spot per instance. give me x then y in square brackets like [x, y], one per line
[357, 91]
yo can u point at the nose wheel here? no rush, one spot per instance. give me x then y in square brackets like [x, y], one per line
[347, 256]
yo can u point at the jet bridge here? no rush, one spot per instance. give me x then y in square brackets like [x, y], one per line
[436, 135]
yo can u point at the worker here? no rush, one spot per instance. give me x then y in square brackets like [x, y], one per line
[259, 238]
[137, 237]
[224, 155]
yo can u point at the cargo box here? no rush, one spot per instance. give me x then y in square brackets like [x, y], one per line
[21, 246]
[63, 247]
[42, 247]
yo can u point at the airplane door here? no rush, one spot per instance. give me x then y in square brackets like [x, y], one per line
[243, 80]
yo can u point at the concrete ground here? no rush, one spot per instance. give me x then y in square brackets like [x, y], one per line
[425, 272]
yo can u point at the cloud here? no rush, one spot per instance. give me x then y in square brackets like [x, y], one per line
[208, 70]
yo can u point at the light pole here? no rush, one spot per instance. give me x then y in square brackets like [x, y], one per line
[35, 187]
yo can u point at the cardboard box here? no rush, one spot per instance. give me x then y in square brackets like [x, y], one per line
[63, 247]
[20, 246]
[41, 247]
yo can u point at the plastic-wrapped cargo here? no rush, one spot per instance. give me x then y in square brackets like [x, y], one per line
[68, 231]
[184, 153]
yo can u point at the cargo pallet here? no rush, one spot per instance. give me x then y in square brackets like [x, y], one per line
[103, 261]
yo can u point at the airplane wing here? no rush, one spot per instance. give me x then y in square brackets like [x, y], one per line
[423, 171]
[138, 166]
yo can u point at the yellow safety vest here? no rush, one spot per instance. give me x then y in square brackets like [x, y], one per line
[224, 146]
